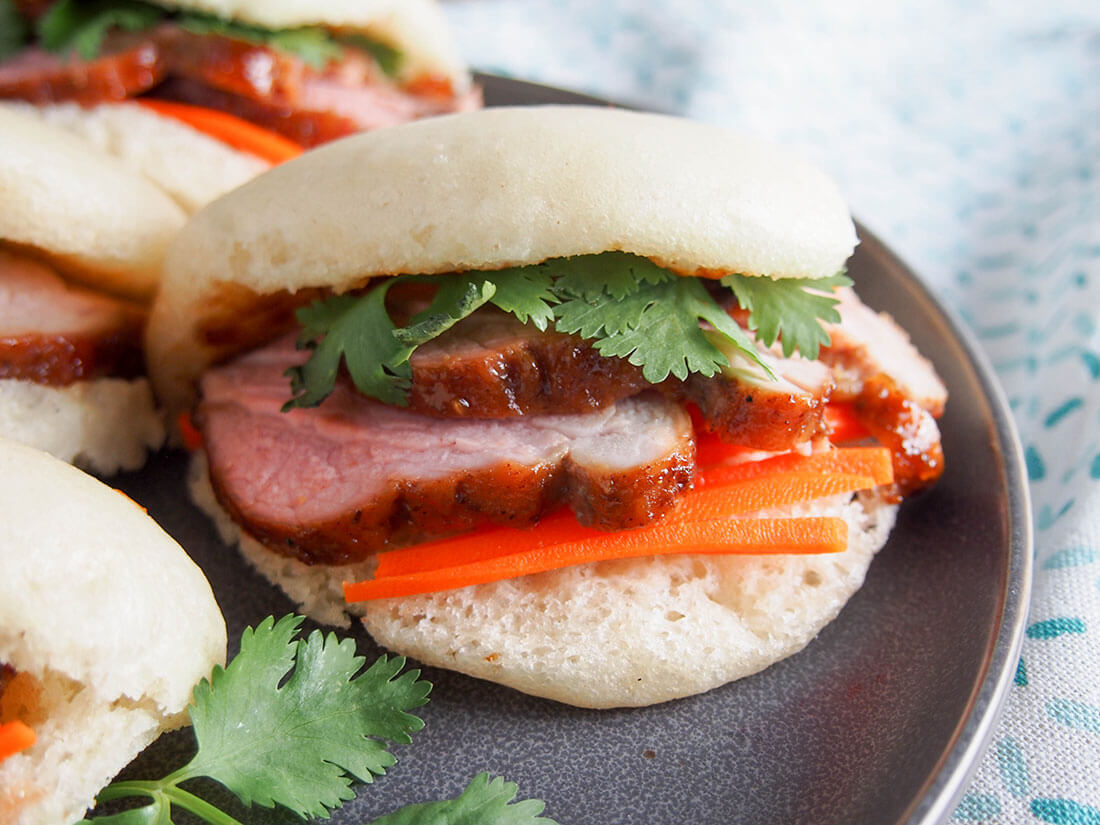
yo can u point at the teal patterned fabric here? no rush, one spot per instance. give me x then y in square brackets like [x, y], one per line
[966, 135]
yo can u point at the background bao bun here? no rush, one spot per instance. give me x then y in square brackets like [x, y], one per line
[109, 621]
[103, 223]
[418, 28]
[192, 168]
[100, 224]
[506, 187]
[485, 190]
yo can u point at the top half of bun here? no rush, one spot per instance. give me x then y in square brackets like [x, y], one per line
[417, 28]
[482, 191]
[64, 199]
[93, 589]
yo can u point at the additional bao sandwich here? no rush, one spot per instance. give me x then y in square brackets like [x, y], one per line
[566, 400]
[81, 242]
[105, 627]
[266, 78]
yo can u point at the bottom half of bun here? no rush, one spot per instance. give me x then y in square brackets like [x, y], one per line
[619, 633]
[103, 424]
[83, 740]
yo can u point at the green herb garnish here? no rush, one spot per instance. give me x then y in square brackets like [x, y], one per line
[14, 30]
[626, 306]
[793, 307]
[82, 26]
[288, 722]
[312, 44]
[484, 802]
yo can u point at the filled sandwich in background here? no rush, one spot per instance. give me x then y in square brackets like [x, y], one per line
[429, 359]
[201, 96]
[105, 627]
[81, 242]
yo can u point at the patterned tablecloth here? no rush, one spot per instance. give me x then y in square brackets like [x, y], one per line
[967, 136]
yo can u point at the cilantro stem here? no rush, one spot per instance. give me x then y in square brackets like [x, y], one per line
[175, 795]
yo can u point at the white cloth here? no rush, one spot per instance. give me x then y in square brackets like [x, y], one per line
[967, 136]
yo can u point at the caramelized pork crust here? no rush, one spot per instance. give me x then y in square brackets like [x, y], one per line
[336, 483]
[55, 333]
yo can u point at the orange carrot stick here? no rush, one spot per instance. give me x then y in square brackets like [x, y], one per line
[861, 461]
[752, 536]
[710, 503]
[743, 497]
[191, 435]
[15, 736]
[229, 129]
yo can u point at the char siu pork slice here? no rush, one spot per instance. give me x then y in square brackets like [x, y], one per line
[338, 482]
[54, 333]
[41, 77]
[492, 366]
[868, 343]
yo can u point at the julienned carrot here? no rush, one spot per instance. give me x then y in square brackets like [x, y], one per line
[779, 490]
[484, 543]
[710, 503]
[191, 435]
[240, 134]
[15, 736]
[725, 536]
[843, 423]
[860, 461]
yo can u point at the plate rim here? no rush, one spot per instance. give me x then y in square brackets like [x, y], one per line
[975, 728]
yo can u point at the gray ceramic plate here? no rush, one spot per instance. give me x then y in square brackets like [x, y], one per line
[879, 720]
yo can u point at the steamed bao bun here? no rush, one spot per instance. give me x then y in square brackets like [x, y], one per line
[107, 624]
[101, 225]
[506, 187]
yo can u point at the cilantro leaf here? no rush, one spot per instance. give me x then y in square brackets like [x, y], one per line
[14, 30]
[524, 291]
[290, 722]
[655, 327]
[388, 58]
[81, 27]
[789, 307]
[616, 274]
[455, 299]
[316, 731]
[484, 802]
[312, 44]
[357, 330]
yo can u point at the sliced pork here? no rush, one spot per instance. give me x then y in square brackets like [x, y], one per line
[268, 87]
[41, 77]
[867, 344]
[492, 366]
[55, 333]
[338, 482]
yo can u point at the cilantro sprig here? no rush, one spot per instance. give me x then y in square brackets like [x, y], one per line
[14, 29]
[289, 722]
[626, 306]
[789, 309]
[82, 26]
[484, 802]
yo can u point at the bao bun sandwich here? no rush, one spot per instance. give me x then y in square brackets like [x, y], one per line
[105, 627]
[81, 242]
[237, 86]
[481, 343]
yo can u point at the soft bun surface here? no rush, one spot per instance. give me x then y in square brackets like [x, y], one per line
[103, 223]
[191, 167]
[417, 27]
[100, 424]
[110, 619]
[490, 189]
